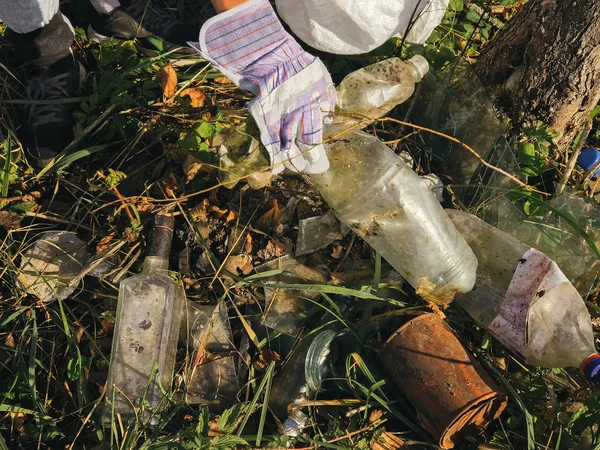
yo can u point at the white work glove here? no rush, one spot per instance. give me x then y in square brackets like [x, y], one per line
[294, 91]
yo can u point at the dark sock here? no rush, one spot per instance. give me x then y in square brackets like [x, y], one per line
[44, 46]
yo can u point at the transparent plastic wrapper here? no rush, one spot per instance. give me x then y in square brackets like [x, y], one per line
[211, 377]
[146, 332]
[207, 326]
[359, 26]
[551, 231]
[214, 383]
[318, 232]
[286, 310]
[375, 90]
[50, 265]
[525, 301]
[374, 193]
[452, 394]
[455, 102]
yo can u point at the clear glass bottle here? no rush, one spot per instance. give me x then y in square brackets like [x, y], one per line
[524, 300]
[375, 90]
[149, 313]
[373, 192]
[303, 372]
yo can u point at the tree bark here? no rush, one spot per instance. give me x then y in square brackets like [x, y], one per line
[547, 59]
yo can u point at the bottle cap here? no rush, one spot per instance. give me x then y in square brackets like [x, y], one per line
[420, 64]
[591, 367]
[588, 158]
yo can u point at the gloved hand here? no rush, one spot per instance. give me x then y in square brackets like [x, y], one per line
[293, 89]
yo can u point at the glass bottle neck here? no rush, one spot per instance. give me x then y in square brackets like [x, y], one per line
[155, 264]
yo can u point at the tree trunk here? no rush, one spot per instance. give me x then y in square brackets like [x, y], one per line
[547, 59]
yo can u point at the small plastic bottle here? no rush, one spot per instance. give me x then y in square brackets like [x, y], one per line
[525, 301]
[376, 194]
[374, 90]
[147, 326]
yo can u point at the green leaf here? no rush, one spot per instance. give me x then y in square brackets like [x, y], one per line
[472, 16]
[228, 420]
[205, 130]
[530, 208]
[191, 141]
[457, 5]
[74, 367]
[114, 177]
[156, 43]
[22, 207]
[227, 442]
[526, 154]
[530, 171]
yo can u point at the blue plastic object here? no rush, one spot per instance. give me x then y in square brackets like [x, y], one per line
[588, 158]
[592, 368]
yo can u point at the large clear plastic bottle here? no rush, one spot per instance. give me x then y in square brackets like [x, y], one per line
[149, 313]
[375, 90]
[375, 193]
[524, 300]
[372, 191]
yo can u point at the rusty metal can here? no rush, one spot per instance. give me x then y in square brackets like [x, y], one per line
[453, 395]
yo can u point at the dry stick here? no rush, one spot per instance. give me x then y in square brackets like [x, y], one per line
[573, 160]
[120, 197]
[462, 144]
[348, 435]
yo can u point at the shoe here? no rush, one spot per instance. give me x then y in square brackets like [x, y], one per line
[52, 73]
[142, 19]
[49, 127]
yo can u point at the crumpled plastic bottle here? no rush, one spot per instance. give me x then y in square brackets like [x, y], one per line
[375, 90]
[376, 194]
[525, 301]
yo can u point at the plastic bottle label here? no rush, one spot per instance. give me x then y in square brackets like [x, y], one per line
[535, 274]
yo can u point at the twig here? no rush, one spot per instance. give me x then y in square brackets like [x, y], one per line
[462, 144]
[573, 160]
[479, 10]
[126, 205]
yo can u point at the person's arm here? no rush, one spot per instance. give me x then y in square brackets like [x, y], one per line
[224, 5]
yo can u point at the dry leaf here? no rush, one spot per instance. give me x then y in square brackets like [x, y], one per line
[388, 441]
[231, 216]
[10, 220]
[271, 218]
[265, 358]
[217, 212]
[248, 243]
[191, 167]
[200, 211]
[18, 421]
[239, 265]
[10, 341]
[79, 334]
[104, 243]
[338, 252]
[167, 80]
[222, 80]
[107, 325]
[212, 196]
[197, 97]
[170, 183]
[375, 415]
